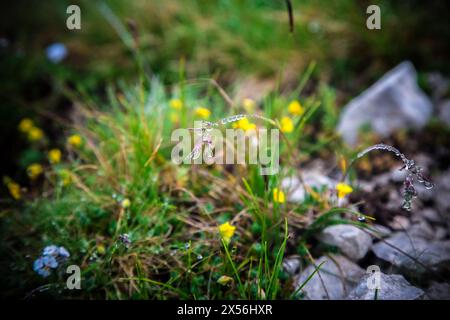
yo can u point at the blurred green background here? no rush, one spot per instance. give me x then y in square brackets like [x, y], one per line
[245, 45]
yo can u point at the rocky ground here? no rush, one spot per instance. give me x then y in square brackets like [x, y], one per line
[410, 249]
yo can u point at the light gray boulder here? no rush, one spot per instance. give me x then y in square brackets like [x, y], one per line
[421, 254]
[351, 240]
[392, 287]
[393, 102]
[338, 276]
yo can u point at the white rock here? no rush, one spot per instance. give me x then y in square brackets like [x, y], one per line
[296, 192]
[291, 265]
[393, 102]
[351, 240]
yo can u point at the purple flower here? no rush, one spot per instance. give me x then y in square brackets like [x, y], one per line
[125, 239]
[43, 265]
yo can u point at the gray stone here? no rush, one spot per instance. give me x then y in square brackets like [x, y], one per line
[438, 291]
[392, 287]
[444, 112]
[440, 233]
[400, 223]
[380, 231]
[393, 102]
[421, 229]
[439, 84]
[435, 255]
[291, 265]
[338, 276]
[442, 193]
[351, 240]
[295, 191]
[428, 214]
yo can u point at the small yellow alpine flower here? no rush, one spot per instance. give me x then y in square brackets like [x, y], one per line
[13, 188]
[101, 249]
[126, 203]
[176, 104]
[75, 140]
[54, 156]
[35, 134]
[224, 280]
[295, 108]
[287, 125]
[25, 125]
[343, 189]
[202, 112]
[244, 124]
[249, 105]
[34, 170]
[278, 196]
[226, 231]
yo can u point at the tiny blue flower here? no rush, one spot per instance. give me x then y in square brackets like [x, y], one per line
[63, 252]
[50, 251]
[38, 264]
[50, 262]
[42, 265]
[56, 52]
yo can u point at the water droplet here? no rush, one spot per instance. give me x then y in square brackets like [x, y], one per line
[428, 185]
[199, 257]
[361, 218]
[187, 245]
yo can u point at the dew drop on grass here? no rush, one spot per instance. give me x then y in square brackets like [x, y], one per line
[361, 219]
[199, 257]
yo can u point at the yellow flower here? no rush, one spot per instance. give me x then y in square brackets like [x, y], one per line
[126, 203]
[54, 156]
[34, 170]
[278, 196]
[224, 280]
[295, 108]
[13, 187]
[343, 189]
[74, 140]
[286, 125]
[176, 104]
[35, 134]
[244, 124]
[25, 124]
[249, 105]
[202, 112]
[226, 231]
[101, 249]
